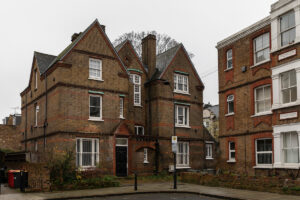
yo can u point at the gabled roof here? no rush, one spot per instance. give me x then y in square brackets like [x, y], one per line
[122, 44]
[66, 51]
[164, 59]
[43, 61]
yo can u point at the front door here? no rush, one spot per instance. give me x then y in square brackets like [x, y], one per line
[121, 161]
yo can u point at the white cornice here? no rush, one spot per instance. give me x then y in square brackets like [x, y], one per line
[246, 31]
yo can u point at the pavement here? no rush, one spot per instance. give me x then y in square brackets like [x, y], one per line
[166, 187]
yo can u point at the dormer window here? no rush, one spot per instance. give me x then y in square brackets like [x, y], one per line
[36, 79]
[229, 59]
[287, 28]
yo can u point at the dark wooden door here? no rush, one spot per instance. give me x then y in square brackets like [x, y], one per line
[121, 161]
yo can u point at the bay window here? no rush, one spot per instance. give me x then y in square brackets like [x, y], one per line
[87, 152]
[287, 28]
[289, 86]
[290, 147]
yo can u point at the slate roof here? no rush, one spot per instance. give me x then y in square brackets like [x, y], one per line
[215, 110]
[119, 46]
[43, 61]
[163, 60]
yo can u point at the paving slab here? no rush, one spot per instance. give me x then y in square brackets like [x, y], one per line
[223, 193]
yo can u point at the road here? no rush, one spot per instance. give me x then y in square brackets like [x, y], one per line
[159, 196]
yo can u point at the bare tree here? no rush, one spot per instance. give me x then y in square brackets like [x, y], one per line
[163, 41]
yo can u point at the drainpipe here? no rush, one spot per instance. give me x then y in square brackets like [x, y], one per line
[25, 123]
[46, 105]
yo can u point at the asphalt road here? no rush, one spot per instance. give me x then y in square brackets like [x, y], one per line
[159, 196]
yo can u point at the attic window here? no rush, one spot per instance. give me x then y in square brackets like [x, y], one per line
[36, 79]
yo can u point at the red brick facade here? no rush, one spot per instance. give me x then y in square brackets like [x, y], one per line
[67, 99]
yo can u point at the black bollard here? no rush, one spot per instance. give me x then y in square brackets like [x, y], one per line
[135, 181]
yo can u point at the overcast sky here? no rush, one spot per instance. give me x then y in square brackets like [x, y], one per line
[47, 26]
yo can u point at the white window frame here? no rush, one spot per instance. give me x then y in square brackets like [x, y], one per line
[36, 79]
[94, 152]
[185, 115]
[288, 29]
[228, 58]
[288, 88]
[92, 117]
[36, 110]
[184, 83]
[256, 51]
[283, 134]
[230, 100]
[264, 99]
[146, 155]
[185, 155]
[137, 128]
[137, 93]
[209, 150]
[231, 151]
[263, 152]
[121, 107]
[91, 67]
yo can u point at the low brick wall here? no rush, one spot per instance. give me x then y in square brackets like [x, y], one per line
[10, 138]
[38, 175]
[257, 183]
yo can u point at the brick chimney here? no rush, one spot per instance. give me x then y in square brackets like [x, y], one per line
[149, 53]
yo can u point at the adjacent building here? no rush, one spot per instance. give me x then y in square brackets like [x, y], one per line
[211, 119]
[113, 109]
[259, 93]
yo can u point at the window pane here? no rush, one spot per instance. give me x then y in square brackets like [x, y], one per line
[266, 40]
[258, 43]
[229, 54]
[293, 94]
[284, 23]
[232, 146]
[232, 155]
[286, 96]
[285, 80]
[264, 158]
[185, 115]
[292, 78]
[229, 64]
[78, 145]
[94, 101]
[259, 94]
[94, 111]
[230, 107]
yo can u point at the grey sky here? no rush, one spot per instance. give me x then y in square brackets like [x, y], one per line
[47, 26]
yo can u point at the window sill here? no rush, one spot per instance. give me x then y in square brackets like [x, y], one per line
[209, 158]
[180, 92]
[260, 63]
[95, 79]
[262, 114]
[226, 70]
[96, 120]
[180, 126]
[122, 117]
[231, 161]
[229, 114]
[146, 162]
[287, 166]
[279, 106]
[182, 167]
[263, 167]
[283, 47]
[140, 106]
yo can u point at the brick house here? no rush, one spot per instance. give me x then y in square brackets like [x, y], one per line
[259, 93]
[113, 109]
